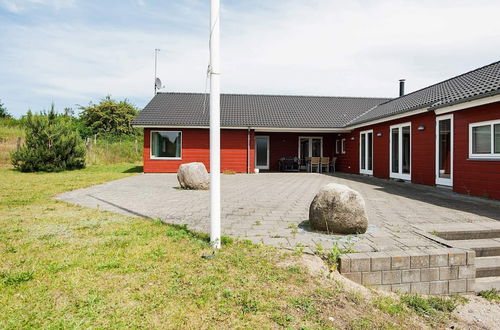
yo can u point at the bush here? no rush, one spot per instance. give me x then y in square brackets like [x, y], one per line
[3, 111]
[51, 144]
[109, 117]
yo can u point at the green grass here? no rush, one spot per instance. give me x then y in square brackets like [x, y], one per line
[65, 266]
[490, 295]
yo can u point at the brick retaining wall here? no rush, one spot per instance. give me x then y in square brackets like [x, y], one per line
[432, 271]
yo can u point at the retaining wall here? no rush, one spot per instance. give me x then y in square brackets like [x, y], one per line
[433, 271]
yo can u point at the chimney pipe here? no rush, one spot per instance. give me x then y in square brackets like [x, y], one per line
[401, 87]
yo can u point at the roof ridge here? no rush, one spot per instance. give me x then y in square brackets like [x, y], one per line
[441, 82]
[284, 95]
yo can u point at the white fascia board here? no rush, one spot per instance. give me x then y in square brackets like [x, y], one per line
[393, 117]
[258, 129]
[467, 105]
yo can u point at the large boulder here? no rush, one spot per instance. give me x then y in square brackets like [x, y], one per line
[338, 209]
[193, 176]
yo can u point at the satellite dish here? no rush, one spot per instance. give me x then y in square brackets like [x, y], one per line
[158, 83]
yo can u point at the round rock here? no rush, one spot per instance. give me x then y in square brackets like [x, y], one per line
[193, 176]
[338, 209]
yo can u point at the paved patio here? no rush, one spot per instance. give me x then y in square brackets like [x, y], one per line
[272, 208]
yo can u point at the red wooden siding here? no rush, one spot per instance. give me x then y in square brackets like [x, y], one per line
[475, 177]
[195, 148]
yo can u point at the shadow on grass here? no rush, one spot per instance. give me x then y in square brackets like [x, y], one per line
[134, 169]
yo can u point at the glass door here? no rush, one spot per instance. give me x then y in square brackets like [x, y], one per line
[366, 152]
[310, 147]
[400, 151]
[444, 150]
[262, 152]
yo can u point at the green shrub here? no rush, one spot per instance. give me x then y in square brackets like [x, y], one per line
[51, 144]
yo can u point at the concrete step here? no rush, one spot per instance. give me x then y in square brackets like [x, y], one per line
[469, 234]
[487, 283]
[483, 247]
[487, 266]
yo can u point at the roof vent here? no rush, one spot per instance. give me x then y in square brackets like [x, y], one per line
[401, 87]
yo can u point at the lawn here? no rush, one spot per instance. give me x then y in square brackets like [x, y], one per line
[65, 266]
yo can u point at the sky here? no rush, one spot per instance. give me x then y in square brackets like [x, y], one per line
[73, 52]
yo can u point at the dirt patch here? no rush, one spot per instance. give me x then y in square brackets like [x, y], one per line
[479, 313]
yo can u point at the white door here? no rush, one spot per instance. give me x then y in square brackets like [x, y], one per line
[444, 150]
[400, 151]
[262, 152]
[366, 152]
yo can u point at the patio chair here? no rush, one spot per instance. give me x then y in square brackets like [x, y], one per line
[332, 164]
[315, 162]
[325, 164]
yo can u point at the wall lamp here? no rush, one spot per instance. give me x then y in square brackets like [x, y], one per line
[379, 134]
[352, 138]
[421, 128]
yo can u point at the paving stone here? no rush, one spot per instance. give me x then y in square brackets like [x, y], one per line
[471, 256]
[412, 275]
[418, 259]
[360, 262]
[457, 286]
[380, 261]
[420, 287]
[344, 264]
[429, 274]
[391, 277]
[467, 271]
[448, 273]
[438, 287]
[399, 260]
[371, 278]
[401, 288]
[355, 277]
[457, 257]
[438, 257]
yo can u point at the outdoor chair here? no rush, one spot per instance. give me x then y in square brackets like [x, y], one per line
[315, 162]
[332, 164]
[325, 164]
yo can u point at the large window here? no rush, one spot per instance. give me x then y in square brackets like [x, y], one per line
[400, 151]
[166, 144]
[484, 139]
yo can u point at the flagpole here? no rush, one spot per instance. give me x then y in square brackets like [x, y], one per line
[215, 227]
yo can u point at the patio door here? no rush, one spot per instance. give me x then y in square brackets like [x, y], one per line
[444, 150]
[400, 151]
[262, 152]
[309, 146]
[366, 152]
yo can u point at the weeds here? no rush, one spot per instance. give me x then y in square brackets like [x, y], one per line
[333, 255]
[490, 295]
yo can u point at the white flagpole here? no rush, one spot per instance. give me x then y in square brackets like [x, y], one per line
[215, 230]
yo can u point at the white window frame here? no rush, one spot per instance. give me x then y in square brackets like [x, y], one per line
[444, 181]
[262, 167]
[151, 156]
[310, 144]
[400, 174]
[366, 170]
[337, 146]
[343, 148]
[491, 155]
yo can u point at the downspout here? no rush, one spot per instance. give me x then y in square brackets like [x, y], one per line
[248, 151]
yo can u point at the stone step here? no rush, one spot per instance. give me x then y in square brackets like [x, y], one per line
[487, 266]
[469, 234]
[483, 247]
[487, 283]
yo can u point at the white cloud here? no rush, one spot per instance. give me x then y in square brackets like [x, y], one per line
[320, 47]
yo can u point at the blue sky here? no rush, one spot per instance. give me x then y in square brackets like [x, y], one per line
[72, 52]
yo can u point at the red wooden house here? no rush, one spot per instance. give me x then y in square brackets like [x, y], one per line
[446, 134]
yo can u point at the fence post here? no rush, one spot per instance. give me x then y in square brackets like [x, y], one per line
[88, 144]
[95, 138]
[136, 146]
[18, 146]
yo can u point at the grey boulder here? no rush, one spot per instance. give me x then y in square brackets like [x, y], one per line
[338, 209]
[193, 176]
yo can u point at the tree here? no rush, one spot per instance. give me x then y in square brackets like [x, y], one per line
[109, 117]
[3, 111]
[52, 144]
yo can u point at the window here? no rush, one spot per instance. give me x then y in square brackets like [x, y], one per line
[343, 146]
[166, 144]
[400, 151]
[484, 139]
[337, 146]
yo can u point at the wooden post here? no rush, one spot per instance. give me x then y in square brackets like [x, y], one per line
[88, 144]
[95, 138]
[136, 146]
[18, 146]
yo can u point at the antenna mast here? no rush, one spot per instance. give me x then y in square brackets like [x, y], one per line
[156, 61]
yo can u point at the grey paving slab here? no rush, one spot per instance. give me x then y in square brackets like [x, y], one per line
[271, 208]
